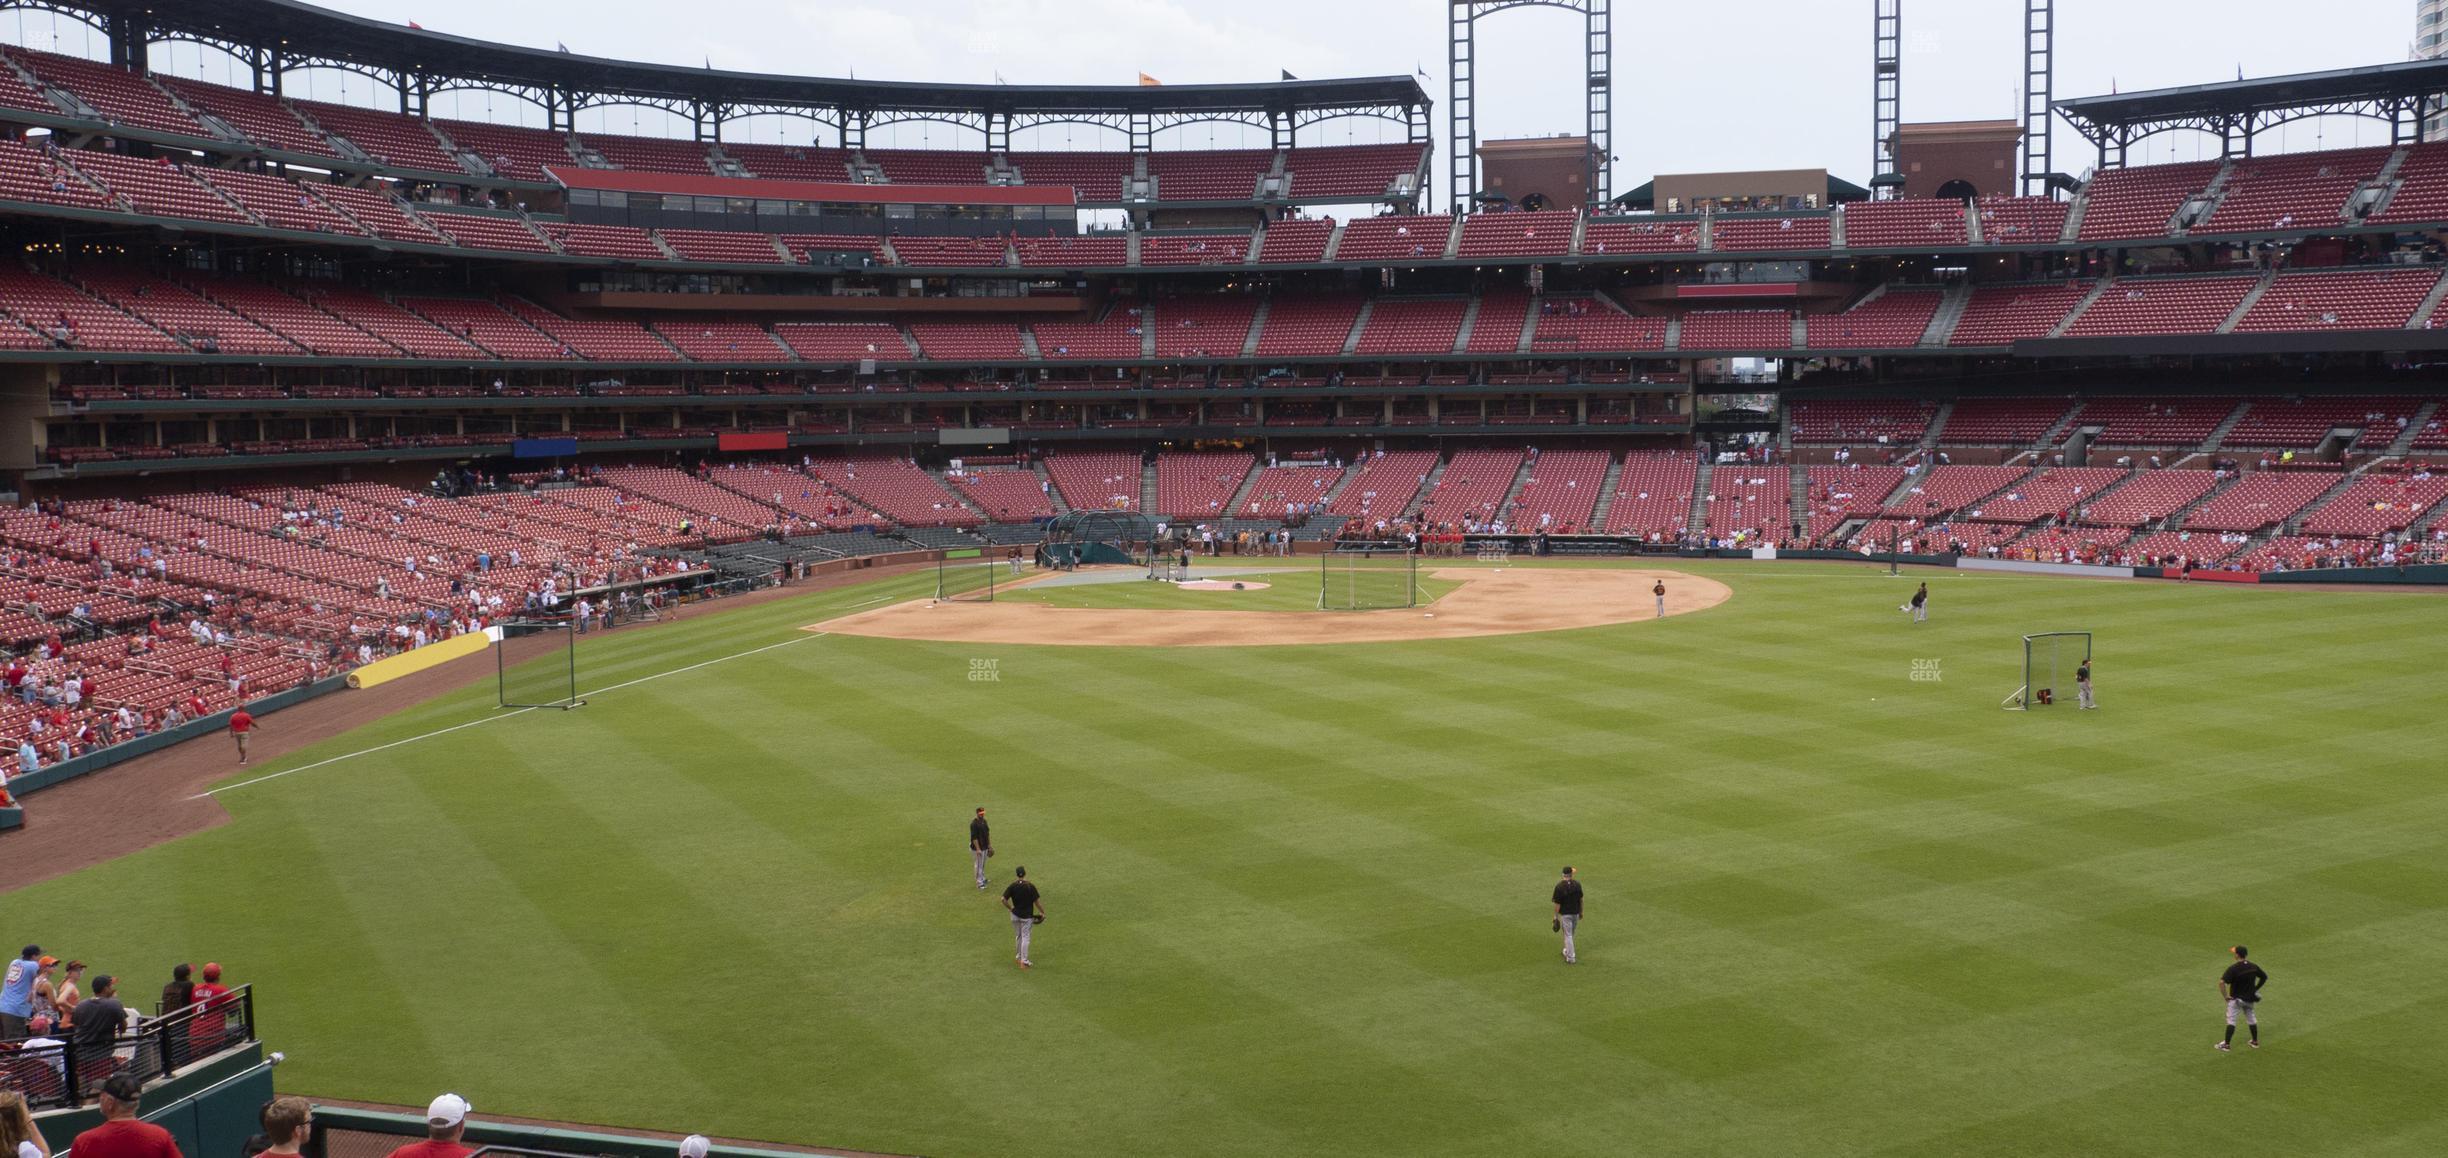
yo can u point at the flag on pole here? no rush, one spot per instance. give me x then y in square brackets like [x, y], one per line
[999, 79]
[1146, 81]
[1288, 75]
[417, 26]
[1422, 70]
[563, 47]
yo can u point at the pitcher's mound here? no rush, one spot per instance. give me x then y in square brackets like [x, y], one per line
[1507, 602]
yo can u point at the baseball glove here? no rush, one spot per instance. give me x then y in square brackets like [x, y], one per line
[1556, 925]
[1039, 919]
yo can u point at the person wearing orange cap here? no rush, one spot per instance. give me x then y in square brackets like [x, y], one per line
[46, 999]
[212, 1002]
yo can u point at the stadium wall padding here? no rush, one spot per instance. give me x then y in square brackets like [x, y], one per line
[2420, 573]
[1970, 563]
[383, 671]
[209, 1109]
[411, 1127]
[120, 753]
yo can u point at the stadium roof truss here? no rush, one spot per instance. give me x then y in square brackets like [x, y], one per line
[276, 37]
[2400, 94]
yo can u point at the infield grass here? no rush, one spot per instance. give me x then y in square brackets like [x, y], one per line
[1293, 590]
[1299, 894]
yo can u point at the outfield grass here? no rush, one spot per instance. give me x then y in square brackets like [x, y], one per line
[1299, 894]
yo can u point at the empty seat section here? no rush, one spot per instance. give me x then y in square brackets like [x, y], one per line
[1737, 330]
[1891, 320]
[33, 175]
[155, 186]
[205, 327]
[486, 325]
[2292, 190]
[1096, 480]
[1473, 487]
[1279, 489]
[2055, 491]
[1383, 485]
[966, 341]
[1770, 232]
[2301, 423]
[1094, 176]
[2340, 300]
[280, 204]
[622, 242]
[1209, 175]
[2377, 504]
[2421, 196]
[1114, 336]
[375, 210]
[390, 138]
[1360, 172]
[844, 342]
[1909, 223]
[1567, 323]
[1394, 237]
[2189, 305]
[717, 341]
[419, 336]
[597, 340]
[831, 248]
[1073, 252]
[1295, 242]
[1948, 489]
[122, 97]
[1562, 491]
[2263, 499]
[1654, 494]
[1308, 325]
[520, 154]
[2180, 423]
[929, 166]
[41, 301]
[1858, 422]
[1196, 484]
[1205, 326]
[1497, 327]
[951, 251]
[2151, 496]
[1603, 237]
[2141, 201]
[1753, 501]
[474, 232]
[264, 118]
[1194, 248]
[1542, 234]
[2000, 315]
[792, 162]
[722, 245]
[2021, 220]
[1412, 326]
[283, 314]
[649, 154]
[1006, 495]
[2002, 421]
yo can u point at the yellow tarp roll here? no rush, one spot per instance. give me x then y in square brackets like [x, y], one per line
[383, 671]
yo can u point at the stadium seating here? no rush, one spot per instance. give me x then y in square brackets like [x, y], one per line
[2292, 190]
[1095, 480]
[709, 340]
[203, 326]
[478, 232]
[378, 213]
[1999, 315]
[1392, 238]
[1308, 325]
[1209, 175]
[1754, 501]
[1169, 249]
[1296, 242]
[1357, 172]
[1497, 327]
[1116, 336]
[929, 166]
[791, 162]
[2263, 499]
[1770, 232]
[1278, 489]
[2021, 220]
[1005, 495]
[1912, 223]
[487, 325]
[41, 302]
[1948, 489]
[389, 138]
[1562, 491]
[1096, 177]
[1568, 322]
[726, 247]
[898, 489]
[2058, 491]
[2340, 300]
[265, 119]
[278, 203]
[1653, 497]
[966, 341]
[1891, 320]
[415, 335]
[1206, 326]
[1472, 489]
[2186, 305]
[602, 341]
[122, 97]
[844, 341]
[1838, 493]
[1073, 252]
[33, 175]
[155, 187]
[2002, 421]
[615, 241]
[280, 313]
[1411, 326]
[1198, 484]
[2299, 423]
[1852, 422]
[1603, 237]
[520, 154]
[2151, 496]
[1548, 233]
[1737, 330]
[648, 154]
[971, 252]
[2140, 201]
[2179, 423]
[1384, 485]
[2422, 187]
[2376, 504]
[813, 246]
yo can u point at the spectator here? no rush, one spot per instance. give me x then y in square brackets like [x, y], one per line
[97, 1021]
[177, 995]
[445, 1121]
[19, 1136]
[17, 993]
[288, 1121]
[695, 1146]
[213, 1001]
[46, 998]
[121, 1134]
[70, 993]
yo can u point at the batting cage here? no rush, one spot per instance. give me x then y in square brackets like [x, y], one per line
[549, 680]
[966, 575]
[1079, 537]
[2050, 659]
[1368, 576]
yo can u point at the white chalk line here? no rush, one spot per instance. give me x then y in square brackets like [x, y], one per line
[210, 792]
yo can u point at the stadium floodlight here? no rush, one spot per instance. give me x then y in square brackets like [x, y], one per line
[2049, 658]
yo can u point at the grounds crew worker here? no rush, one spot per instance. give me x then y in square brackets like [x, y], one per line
[1567, 912]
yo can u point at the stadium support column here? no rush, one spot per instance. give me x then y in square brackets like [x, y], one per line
[2039, 92]
[1886, 93]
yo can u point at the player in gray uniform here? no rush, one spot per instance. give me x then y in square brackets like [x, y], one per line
[981, 846]
[1660, 592]
[1567, 899]
[2082, 685]
[1027, 909]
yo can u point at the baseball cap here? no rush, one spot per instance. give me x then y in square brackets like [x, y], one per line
[695, 1146]
[31, 951]
[48, 962]
[212, 971]
[447, 1110]
[124, 1086]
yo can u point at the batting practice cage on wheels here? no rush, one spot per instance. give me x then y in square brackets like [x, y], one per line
[2050, 660]
[538, 676]
[1368, 577]
[966, 575]
[1095, 537]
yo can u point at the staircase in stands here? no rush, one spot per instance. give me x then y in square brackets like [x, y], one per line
[1606, 492]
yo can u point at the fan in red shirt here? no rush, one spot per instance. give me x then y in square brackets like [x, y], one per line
[445, 1121]
[240, 725]
[121, 1135]
[213, 1001]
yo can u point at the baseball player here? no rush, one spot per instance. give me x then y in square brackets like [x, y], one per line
[1567, 899]
[1660, 592]
[2241, 986]
[2082, 685]
[1920, 605]
[981, 846]
[1027, 910]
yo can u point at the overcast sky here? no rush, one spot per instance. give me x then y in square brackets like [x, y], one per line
[1758, 84]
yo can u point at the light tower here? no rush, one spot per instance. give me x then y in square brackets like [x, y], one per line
[1461, 69]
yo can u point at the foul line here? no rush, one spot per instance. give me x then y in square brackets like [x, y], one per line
[210, 792]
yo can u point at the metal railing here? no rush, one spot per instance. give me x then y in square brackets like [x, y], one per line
[63, 1074]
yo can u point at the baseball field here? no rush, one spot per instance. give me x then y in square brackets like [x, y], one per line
[1839, 902]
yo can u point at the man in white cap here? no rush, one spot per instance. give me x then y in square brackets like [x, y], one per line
[695, 1146]
[445, 1121]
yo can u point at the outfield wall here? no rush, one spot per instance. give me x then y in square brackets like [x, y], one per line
[357, 1131]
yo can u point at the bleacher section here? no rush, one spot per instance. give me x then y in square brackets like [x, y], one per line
[1905, 224]
[2140, 201]
[2002, 421]
[1849, 422]
[1894, 319]
[1653, 498]
[1385, 485]
[2000, 315]
[1737, 330]
[2193, 305]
